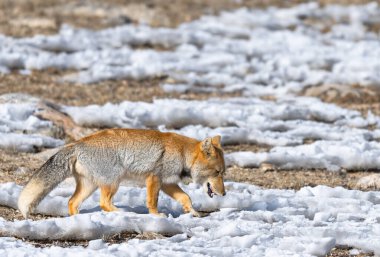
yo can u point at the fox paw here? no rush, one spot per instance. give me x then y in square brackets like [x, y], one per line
[162, 215]
[198, 214]
[109, 208]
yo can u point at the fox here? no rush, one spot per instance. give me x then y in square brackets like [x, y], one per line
[108, 157]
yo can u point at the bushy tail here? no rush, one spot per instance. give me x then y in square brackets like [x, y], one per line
[52, 172]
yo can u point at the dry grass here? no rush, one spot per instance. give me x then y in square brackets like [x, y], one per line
[295, 179]
[122, 237]
[343, 251]
[58, 243]
[45, 85]
[117, 238]
[21, 18]
[360, 98]
[17, 166]
[246, 147]
[11, 214]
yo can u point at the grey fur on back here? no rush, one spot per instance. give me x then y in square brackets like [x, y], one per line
[127, 161]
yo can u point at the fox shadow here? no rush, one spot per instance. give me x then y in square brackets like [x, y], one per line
[137, 210]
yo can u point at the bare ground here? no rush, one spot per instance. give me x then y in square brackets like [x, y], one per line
[116, 238]
[343, 251]
[47, 85]
[22, 18]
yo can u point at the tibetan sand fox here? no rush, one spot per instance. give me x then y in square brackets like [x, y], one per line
[107, 157]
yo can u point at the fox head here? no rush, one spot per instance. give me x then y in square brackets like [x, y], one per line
[208, 167]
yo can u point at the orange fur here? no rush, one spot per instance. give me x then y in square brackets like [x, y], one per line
[83, 190]
[153, 186]
[107, 192]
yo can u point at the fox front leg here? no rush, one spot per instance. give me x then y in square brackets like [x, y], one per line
[153, 186]
[175, 192]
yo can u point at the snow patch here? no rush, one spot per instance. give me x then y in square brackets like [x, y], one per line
[251, 51]
[248, 221]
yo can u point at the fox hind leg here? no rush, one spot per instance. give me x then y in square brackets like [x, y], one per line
[85, 187]
[107, 192]
[153, 186]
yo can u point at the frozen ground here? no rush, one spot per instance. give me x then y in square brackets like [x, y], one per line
[258, 52]
[277, 52]
[248, 221]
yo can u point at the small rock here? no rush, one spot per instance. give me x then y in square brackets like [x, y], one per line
[266, 167]
[343, 172]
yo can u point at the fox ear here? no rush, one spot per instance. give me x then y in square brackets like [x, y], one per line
[207, 146]
[216, 141]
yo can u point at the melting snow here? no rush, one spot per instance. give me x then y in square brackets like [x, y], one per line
[250, 50]
[248, 221]
[256, 52]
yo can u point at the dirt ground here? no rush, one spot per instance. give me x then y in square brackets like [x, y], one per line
[343, 251]
[46, 85]
[20, 18]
